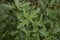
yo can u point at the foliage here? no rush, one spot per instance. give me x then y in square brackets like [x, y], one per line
[30, 20]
